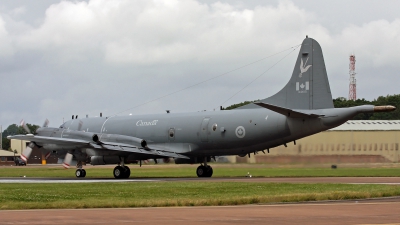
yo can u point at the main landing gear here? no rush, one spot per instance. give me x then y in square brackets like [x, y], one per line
[204, 170]
[121, 172]
[80, 172]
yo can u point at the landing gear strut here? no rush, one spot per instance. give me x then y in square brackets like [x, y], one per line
[80, 172]
[204, 170]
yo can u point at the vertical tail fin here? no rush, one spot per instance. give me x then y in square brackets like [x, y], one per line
[308, 88]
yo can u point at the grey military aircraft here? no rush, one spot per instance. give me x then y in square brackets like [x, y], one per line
[302, 108]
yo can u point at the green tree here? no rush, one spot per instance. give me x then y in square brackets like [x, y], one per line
[234, 106]
[14, 129]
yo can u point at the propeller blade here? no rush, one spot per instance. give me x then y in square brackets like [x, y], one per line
[23, 125]
[67, 160]
[166, 160]
[47, 155]
[27, 152]
[155, 160]
[80, 125]
[46, 123]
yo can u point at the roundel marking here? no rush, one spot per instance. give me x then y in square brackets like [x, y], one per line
[240, 132]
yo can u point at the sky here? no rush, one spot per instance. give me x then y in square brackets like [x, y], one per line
[63, 58]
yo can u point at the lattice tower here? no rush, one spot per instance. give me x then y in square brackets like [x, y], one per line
[352, 72]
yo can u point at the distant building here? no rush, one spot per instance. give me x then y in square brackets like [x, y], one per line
[7, 157]
[36, 156]
[356, 141]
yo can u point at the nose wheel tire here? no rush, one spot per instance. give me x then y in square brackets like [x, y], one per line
[122, 172]
[204, 171]
[80, 173]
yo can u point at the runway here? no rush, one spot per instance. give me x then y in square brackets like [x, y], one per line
[346, 180]
[382, 211]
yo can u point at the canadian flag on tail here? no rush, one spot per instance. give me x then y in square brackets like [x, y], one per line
[302, 86]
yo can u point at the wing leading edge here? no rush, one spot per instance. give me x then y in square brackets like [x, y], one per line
[111, 146]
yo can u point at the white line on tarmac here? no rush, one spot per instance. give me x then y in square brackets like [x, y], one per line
[36, 181]
[378, 183]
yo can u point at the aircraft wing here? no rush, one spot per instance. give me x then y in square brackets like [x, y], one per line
[112, 146]
[287, 112]
[50, 140]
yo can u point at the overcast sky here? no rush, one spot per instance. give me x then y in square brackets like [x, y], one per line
[59, 58]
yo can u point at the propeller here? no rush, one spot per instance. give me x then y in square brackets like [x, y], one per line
[166, 160]
[67, 160]
[80, 125]
[23, 125]
[47, 155]
[27, 152]
[46, 123]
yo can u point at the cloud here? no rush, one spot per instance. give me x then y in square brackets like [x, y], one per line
[6, 48]
[109, 55]
[152, 32]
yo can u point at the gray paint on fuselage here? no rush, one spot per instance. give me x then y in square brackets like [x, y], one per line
[263, 129]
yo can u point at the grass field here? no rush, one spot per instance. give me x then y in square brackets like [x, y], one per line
[180, 193]
[153, 194]
[220, 170]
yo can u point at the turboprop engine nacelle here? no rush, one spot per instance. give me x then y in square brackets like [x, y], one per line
[103, 138]
[104, 160]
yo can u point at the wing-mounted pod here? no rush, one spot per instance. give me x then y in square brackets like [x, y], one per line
[116, 138]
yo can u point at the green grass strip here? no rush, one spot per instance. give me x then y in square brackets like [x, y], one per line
[190, 171]
[155, 194]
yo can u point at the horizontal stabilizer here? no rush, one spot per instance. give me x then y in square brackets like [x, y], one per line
[287, 112]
